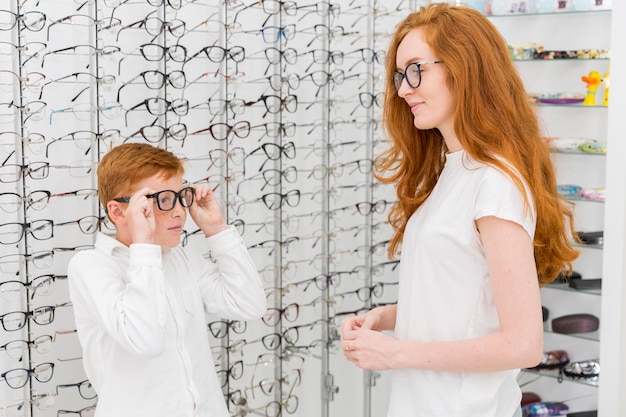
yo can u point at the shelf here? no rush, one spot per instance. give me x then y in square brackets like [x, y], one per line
[593, 336]
[584, 200]
[567, 288]
[578, 153]
[554, 373]
[560, 60]
[569, 106]
[588, 246]
[542, 14]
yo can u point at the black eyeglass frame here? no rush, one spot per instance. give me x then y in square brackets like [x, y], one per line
[398, 77]
[178, 196]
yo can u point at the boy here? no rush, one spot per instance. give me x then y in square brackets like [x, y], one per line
[138, 297]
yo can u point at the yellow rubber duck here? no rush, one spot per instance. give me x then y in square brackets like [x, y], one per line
[593, 80]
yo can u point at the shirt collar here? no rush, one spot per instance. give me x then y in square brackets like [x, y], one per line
[108, 243]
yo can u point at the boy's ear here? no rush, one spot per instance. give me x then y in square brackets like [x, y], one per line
[116, 212]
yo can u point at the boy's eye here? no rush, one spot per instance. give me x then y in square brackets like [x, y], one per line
[165, 201]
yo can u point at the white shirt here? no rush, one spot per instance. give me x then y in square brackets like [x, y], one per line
[141, 322]
[445, 292]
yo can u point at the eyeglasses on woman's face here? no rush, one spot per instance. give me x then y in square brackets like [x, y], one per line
[412, 73]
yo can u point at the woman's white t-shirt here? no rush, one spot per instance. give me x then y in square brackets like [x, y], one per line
[445, 291]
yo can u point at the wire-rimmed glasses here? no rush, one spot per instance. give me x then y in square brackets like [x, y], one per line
[272, 7]
[218, 54]
[10, 264]
[272, 34]
[269, 386]
[155, 133]
[321, 281]
[273, 408]
[273, 177]
[275, 129]
[32, 81]
[273, 201]
[322, 9]
[154, 80]
[106, 51]
[34, 110]
[19, 377]
[89, 411]
[12, 202]
[412, 74]
[155, 26]
[15, 348]
[219, 157]
[275, 56]
[221, 131]
[273, 152]
[89, 224]
[28, 50]
[273, 315]
[323, 31]
[278, 81]
[87, 111]
[33, 20]
[158, 106]
[366, 293]
[85, 389]
[106, 23]
[154, 52]
[321, 78]
[41, 285]
[324, 56]
[81, 77]
[368, 55]
[84, 139]
[166, 199]
[33, 141]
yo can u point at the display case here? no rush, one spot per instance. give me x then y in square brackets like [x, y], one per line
[558, 52]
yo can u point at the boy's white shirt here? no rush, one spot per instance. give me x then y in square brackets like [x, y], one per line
[141, 319]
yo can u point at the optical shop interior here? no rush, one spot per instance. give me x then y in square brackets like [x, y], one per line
[277, 107]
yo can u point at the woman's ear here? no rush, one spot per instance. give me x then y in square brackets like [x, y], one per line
[116, 212]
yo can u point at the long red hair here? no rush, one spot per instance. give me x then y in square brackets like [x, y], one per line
[494, 121]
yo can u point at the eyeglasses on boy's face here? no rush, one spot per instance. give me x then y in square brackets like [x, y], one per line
[412, 73]
[166, 199]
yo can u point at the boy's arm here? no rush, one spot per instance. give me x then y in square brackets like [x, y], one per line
[231, 286]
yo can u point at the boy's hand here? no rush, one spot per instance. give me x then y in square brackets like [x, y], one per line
[140, 216]
[206, 211]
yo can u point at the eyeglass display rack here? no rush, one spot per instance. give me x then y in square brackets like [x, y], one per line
[584, 29]
[275, 104]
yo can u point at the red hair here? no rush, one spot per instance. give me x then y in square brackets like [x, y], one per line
[125, 165]
[494, 121]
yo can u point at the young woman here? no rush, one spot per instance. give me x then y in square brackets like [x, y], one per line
[478, 224]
